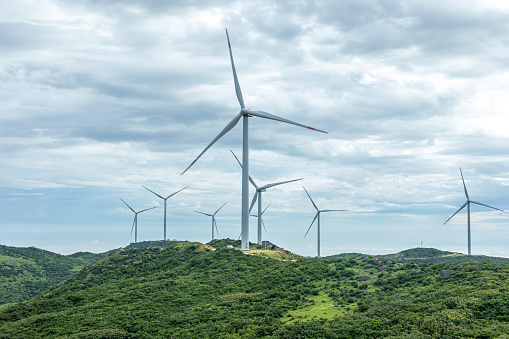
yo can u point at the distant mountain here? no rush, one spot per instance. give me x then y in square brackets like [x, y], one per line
[193, 290]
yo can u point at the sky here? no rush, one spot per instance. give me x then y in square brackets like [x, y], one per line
[99, 98]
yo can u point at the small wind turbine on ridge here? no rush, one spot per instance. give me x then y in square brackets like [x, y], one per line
[244, 113]
[258, 195]
[468, 211]
[213, 219]
[318, 216]
[135, 222]
[171, 195]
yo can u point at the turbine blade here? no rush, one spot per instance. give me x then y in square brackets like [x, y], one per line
[464, 186]
[220, 208]
[225, 130]
[478, 203]
[266, 208]
[134, 221]
[250, 179]
[465, 204]
[279, 183]
[209, 215]
[153, 192]
[151, 208]
[266, 115]
[235, 79]
[316, 216]
[240, 236]
[215, 223]
[254, 200]
[171, 195]
[333, 210]
[310, 198]
[263, 224]
[127, 205]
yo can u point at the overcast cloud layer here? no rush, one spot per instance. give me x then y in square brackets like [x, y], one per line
[98, 98]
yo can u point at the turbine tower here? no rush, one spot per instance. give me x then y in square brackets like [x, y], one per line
[213, 219]
[468, 211]
[171, 195]
[258, 195]
[135, 222]
[244, 113]
[318, 216]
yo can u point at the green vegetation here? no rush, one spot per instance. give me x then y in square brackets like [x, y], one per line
[25, 272]
[192, 290]
[427, 255]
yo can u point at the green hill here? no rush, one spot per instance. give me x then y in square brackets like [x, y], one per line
[192, 290]
[25, 272]
[427, 255]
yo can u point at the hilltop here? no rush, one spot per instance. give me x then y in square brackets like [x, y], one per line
[193, 290]
[427, 255]
[28, 271]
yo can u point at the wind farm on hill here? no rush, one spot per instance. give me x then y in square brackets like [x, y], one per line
[245, 114]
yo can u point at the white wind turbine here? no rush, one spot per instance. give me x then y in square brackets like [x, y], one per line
[258, 195]
[171, 195]
[260, 217]
[213, 219]
[244, 113]
[135, 222]
[256, 216]
[468, 211]
[318, 216]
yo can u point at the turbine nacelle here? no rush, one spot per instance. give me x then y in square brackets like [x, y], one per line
[245, 111]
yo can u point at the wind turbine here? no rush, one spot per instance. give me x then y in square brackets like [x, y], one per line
[318, 216]
[258, 195]
[244, 113]
[468, 210]
[260, 218]
[171, 195]
[213, 219]
[135, 222]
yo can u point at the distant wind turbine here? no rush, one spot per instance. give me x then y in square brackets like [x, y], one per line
[171, 195]
[256, 216]
[135, 222]
[258, 195]
[244, 113]
[213, 219]
[468, 211]
[318, 216]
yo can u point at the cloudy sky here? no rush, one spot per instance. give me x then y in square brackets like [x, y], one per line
[99, 98]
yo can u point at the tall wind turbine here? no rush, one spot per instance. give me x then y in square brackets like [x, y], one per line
[244, 113]
[318, 216]
[468, 210]
[171, 195]
[135, 222]
[213, 219]
[258, 195]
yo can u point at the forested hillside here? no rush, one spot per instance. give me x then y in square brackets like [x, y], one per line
[25, 272]
[428, 255]
[192, 290]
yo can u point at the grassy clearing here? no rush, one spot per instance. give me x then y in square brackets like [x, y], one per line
[281, 255]
[320, 306]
